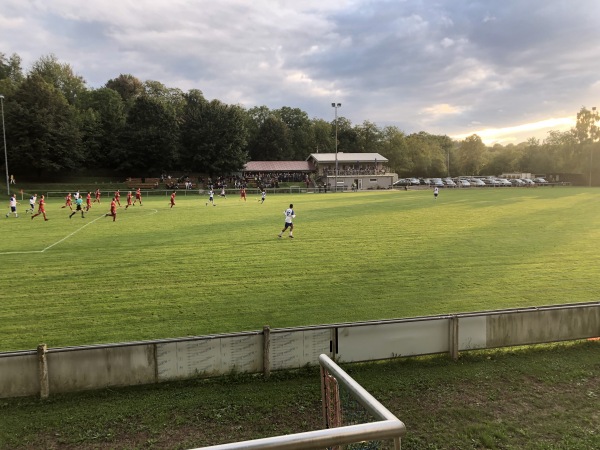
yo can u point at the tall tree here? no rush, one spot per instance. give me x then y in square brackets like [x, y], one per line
[106, 107]
[10, 69]
[171, 97]
[565, 149]
[150, 139]
[43, 129]
[323, 140]
[299, 131]
[11, 77]
[368, 137]
[128, 87]
[61, 76]
[471, 155]
[271, 142]
[586, 128]
[425, 155]
[394, 148]
[346, 134]
[213, 136]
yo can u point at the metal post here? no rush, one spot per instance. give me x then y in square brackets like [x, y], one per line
[336, 106]
[266, 351]
[42, 350]
[592, 145]
[4, 136]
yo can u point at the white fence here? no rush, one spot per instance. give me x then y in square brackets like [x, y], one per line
[70, 369]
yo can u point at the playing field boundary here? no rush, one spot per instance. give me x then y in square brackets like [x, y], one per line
[70, 369]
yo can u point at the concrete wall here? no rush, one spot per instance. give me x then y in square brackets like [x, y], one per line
[19, 376]
[96, 367]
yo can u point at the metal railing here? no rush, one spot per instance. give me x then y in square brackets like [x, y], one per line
[388, 425]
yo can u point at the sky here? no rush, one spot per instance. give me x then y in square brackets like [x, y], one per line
[506, 70]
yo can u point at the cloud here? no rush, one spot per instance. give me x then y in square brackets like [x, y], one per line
[519, 133]
[437, 67]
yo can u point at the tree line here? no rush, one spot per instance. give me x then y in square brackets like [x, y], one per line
[55, 125]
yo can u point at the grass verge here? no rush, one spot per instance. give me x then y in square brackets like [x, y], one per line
[541, 397]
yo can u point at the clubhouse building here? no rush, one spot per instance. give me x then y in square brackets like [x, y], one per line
[344, 170]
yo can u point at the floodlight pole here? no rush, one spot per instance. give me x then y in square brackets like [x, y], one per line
[4, 137]
[336, 106]
[592, 145]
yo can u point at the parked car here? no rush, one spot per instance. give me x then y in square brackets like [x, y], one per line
[414, 181]
[503, 182]
[477, 182]
[491, 182]
[449, 182]
[401, 182]
[463, 183]
[540, 180]
[437, 182]
[528, 181]
[425, 181]
[517, 182]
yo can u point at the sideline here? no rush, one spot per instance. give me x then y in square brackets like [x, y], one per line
[153, 211]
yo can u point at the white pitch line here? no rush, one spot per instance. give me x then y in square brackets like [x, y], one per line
[79, 229]
[154, 211]
[74, 232]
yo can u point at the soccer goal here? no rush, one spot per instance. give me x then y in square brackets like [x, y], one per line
[352, 417]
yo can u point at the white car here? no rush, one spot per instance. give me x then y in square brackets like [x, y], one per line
[540, 180]
[504, 182]
[477, 182]
[528, 181]
[463, 183]
[449, 183]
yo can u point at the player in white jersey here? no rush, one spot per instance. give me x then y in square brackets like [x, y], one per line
[211, 198]
[436, 191]
[289, 219]
[13, 206]
[32, 202]
[263, 196]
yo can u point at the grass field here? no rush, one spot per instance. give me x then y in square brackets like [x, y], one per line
[159, 272]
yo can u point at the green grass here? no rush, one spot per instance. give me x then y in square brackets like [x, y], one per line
[543, 397]
[193, 270]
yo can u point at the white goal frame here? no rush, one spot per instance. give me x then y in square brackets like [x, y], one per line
[386, 427]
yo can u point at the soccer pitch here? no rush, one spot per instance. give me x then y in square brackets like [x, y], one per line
[160, 272]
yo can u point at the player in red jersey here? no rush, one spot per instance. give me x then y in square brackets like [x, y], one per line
[118, 198]
[67, 202]
[113, 209]
[88, 201]
[128, 200]
[97, 193]
[138, 196]
[243, 193]
[173, 199]
[41, 209]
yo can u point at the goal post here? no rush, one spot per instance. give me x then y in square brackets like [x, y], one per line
[382, 427]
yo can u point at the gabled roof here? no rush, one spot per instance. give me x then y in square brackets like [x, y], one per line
[279, 166]
[346, 157]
